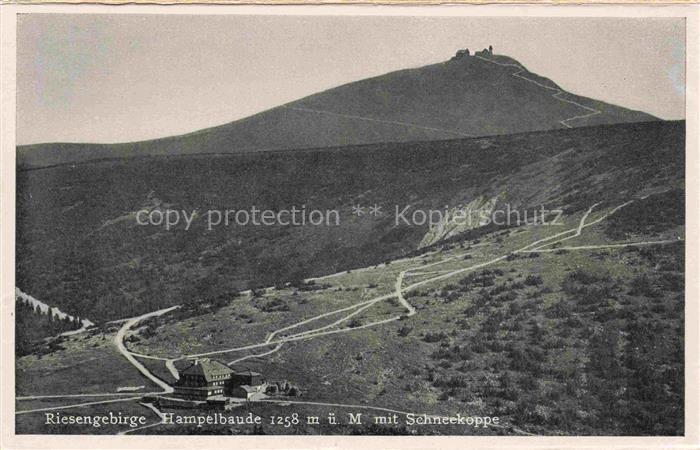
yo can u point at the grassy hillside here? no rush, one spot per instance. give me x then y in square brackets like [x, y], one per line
[454, 99]
[586, 341]
[79, 247]
[560, 341]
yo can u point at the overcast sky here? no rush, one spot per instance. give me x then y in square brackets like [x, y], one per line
[116, 78]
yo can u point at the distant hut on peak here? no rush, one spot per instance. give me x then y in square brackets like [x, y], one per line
[461, 54]
[485, 52]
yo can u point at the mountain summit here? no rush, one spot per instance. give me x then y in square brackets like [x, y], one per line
[470, 95]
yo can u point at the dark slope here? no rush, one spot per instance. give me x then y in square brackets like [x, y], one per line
[459, 98]
[78, 243]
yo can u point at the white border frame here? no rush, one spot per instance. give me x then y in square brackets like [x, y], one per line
[9, 440]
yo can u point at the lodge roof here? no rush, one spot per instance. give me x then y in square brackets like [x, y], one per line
[207, 368]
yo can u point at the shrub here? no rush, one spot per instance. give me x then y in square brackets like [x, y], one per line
[478, 345]
[355, 322]
[484, 278]
[558, 310]
[514, 309]
[451, 297]
[525, 359]
[404, 331]
[642, 286]
[669, 212]
[434, 337]
[455, 353]
[658, 309]
[517, 285]
[533, 280]
[588, 288]
[499, 289]
[507, 297]
[411, 294]
[273, 305]
[672, 282]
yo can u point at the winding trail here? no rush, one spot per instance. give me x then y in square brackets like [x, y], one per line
[170, 365]
[370, 119]
[327, 329]
[78, 405]
[119, 342]
[599, 247]
[397, 293]
[557, 91]
[257, 355]
[106, 394]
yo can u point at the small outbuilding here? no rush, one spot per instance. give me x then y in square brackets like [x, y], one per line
[245, 391]
[247, 377]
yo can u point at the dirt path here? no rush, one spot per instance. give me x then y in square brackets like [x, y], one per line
[326, 329]
[557, 92]
[399, 290]
[78, 405]
[598, 247]
[370, 119]
[119, 342]
[170, 365]
[104, 394]
[258, 355]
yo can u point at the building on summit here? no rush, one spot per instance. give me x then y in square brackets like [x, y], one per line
[464, 53]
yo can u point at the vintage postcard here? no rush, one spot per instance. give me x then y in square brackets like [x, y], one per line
[338, 226]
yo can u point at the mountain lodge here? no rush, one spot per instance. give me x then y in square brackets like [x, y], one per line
[207, 379]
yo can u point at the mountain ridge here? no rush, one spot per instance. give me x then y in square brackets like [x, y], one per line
[468, 96]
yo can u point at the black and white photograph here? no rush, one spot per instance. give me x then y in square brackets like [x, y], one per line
[349, 225]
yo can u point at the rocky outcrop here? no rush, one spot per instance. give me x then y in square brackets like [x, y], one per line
[474, 214]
